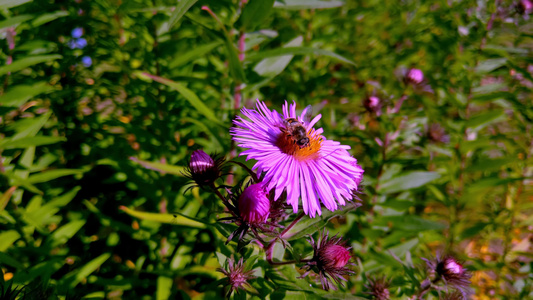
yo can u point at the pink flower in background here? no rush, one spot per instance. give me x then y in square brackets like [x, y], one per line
[296, 158]
[415, 76]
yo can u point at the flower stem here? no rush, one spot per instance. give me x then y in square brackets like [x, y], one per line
[296, 220]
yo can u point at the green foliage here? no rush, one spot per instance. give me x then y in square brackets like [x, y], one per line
[92, 155]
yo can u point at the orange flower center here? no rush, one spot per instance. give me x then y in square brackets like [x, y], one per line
[287, 144]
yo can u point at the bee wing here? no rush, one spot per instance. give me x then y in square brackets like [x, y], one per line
[307, 114]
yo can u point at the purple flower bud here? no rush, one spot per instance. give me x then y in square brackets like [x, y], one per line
[373, 104]
[77, 32]
[451, 272]
[254, 205]
[524, 7]
[330, 257]
[203, 169]
[335, 256]
[378, 288]
[414, 76]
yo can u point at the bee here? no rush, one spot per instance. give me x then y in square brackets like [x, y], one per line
[296, 130]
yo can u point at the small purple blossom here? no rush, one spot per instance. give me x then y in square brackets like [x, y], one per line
[320, 171]
[237, 277]
[86, 61]
[254, 205]
[76, 32]
[373, 104]
[524, 7]
[414, 76]
[77, 43]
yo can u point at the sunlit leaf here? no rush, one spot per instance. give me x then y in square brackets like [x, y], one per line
[174, 219]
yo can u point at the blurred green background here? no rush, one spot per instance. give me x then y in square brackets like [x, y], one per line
[102, 102]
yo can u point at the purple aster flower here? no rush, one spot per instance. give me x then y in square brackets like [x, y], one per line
[237, 277]
[524, 7]
[330, 257]
[296, 158]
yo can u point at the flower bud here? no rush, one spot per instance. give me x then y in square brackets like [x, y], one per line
[335, 256]
[414, 76]
[378, 288]
[254, 205]
[373, 104]
[237, 277]
[524, 7]
[203, 169]
[449, 267]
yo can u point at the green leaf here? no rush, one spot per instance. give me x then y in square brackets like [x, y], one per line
[406, 181]
[254, 13]
[7, 143]
[26, 62]
[45, 18]
[307, 226]
[408, 223]
[196, 52]
[163, 168]
[490, 164]
[61, 235]
[189, 95]
[182, 7]
[490, 65]
[7, 238]
[308, 4]
[78, 275]
[483, 119]
[235, 65]
[297, 51]
[10, 261]
[272, 66]
[174, 219]
[48, 175]
[164, 287]
[14, 21]
[12, 3]
[19, 94]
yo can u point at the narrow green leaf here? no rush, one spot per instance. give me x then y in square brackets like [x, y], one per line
[272, 66]
[490, 65]
[164, 287]
[297, 51]
[490, 164]
[45, 18]
[189, 95]
[61, 235]
[163, 168]
[408, 180]
[483, 119]
[12, 3]
[26, 62]
[14, 21]
[197, 52]
[7, 238]
[254, 13]
[235, 65]
[10, 261]
[182, 7]
[52, 174]
[86, 270]
[174, 219]
[408, 223]
[308, 225]
[7, 143]
[308, 4]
